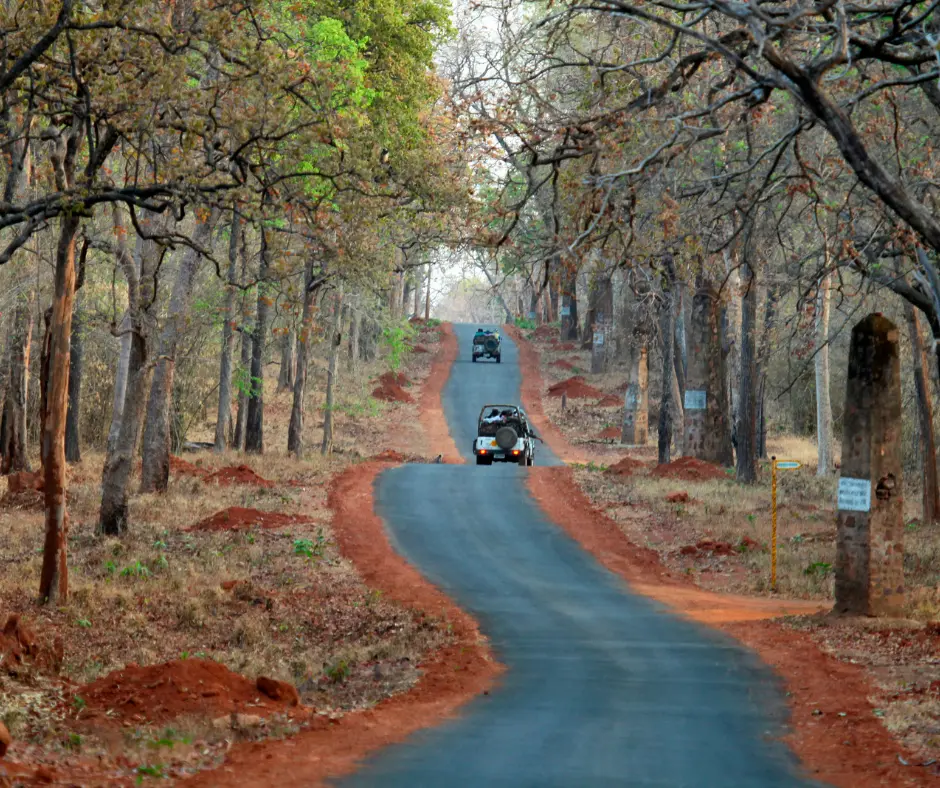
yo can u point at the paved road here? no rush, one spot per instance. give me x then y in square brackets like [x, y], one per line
[604, 687]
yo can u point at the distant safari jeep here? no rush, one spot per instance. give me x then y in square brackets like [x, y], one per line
[504, 435]
[486, 344]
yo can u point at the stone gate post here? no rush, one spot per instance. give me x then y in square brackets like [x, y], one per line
[869, 572]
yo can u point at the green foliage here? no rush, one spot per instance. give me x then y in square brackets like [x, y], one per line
[396, 338]
[137, 569]
[244, 383]
[525, 323]
[149, 770]
[818, 569]
[309, 548]
[338, 671]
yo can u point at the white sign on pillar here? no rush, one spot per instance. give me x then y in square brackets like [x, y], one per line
[854, 495]
[566, 311]
[695, 400]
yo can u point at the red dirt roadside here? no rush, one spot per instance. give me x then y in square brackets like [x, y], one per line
[450, 677]
[432, 410]
[532, 399]
[835, 732]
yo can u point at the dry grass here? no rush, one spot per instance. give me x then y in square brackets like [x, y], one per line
[299, 611]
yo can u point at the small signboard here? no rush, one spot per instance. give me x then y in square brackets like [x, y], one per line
[598, 339]
[788, 465]
[631, 398]
[566, 311]
[854, 495]
[531, 315]
[694, 400]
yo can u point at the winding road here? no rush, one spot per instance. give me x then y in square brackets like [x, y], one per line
[604, 687]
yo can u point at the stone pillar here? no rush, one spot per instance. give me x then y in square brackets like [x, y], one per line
[707, 436]
[869, 573]
[635, 429]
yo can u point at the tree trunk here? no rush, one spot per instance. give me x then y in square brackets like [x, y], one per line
[295, 431]
[120, 380]
[635, 427]
[285, 377]
[682, 339]
[224, 416]
[54, 578]
[824, 448]
[396, 288]
[254, 425]
[13, 452]
[73, 437]
[601, 316]
[747, 395]
[569, 303]
[763, 355]
[45, 357]
[707, 436]
[369, 336]
[427, 296]
[406, 296]
[730, 321]
[155, 471]
[419, 291]
[931, 491]
[352, 359]
[115, 478]
[241, 416]
[667, 329]
[335, 340]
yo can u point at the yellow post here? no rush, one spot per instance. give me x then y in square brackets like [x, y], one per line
[773, 529]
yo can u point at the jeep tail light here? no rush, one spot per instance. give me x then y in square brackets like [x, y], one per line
[515, 451]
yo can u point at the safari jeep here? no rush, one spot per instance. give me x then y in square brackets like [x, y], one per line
[504, 435]
[486, 344]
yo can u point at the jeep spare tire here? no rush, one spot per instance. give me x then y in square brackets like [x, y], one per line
[506, 438]
[491, 344]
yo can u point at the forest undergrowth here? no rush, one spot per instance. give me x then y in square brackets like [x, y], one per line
[231, 575]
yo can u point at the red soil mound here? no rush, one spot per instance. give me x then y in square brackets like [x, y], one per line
[543, 332]
[626, 467]
[25, 480]
[179, 467]
[562, 364]
[236, 518]
[450, 677]
[678, 497]
[689, 469]
[24, 491]
[237, 474]
[19, 645]
[563, 346]
[609, 434]
[390, 388]
[160, 693]
[610, 401]
[575, 388]
[420, 349]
